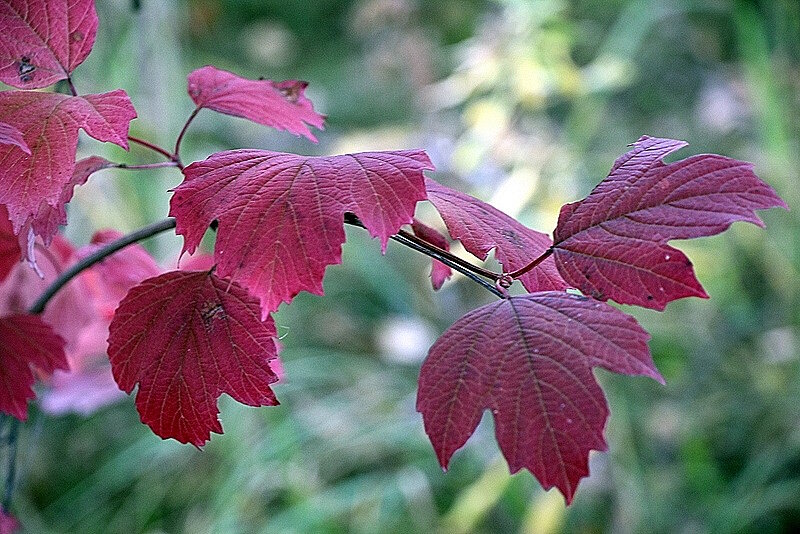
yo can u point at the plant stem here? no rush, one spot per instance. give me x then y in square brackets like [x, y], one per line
[183, 132]
[147, 165]
[97, 256]
[11, 465]
[71, 86]
[155, 148]
[454, 262]
[519, 272]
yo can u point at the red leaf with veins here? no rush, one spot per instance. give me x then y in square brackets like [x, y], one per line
[44, 40]
[529, 360]
[280, 105]
[281, 215]
[25, 341]
[613, 243]
[49, 123]
[11, 136]
[186, 338]
[10, 253]
[440, 272]
[481, 228]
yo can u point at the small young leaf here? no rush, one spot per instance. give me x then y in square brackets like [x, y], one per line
[186, 338]
[481, 228]
[25, 341]
[613, 243]
[281, 215]
[11, 136]
[49, 123]
[42, 41]
[439, 271]
[10, 253]
[529, 360]
[280, 105]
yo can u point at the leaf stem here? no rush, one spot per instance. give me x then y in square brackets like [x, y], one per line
[71, 86]
[452, 261]
[97, 256]
[155, 148]
[183, 132]
[11, 461]
[519, 272]
[146, 165]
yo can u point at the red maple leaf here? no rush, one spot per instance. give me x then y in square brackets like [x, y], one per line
[185, 338]
[44, 40]
[25, 341]
[613, 243]
[440, 272]
[481, 227]
[49, 123]
[529, 360]
[11, 136]
[281, 215]
[10, 252]
[280, 105]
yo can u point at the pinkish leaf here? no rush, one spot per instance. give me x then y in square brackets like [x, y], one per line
[186, 338]
[49, 123]
[10, 253]
[280, 105]
[281, 215]
[11, 136]
[49, 218]
[25, 341]
[481, 227]
[42, 41]
[613, 244]
[8, 523]
[529, 360]
[440, 272]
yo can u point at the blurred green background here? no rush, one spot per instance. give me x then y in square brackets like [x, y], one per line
[524, 104]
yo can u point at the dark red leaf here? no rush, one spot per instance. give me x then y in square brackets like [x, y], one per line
[25, 341]
[42, 41]
[10, 253]
[481, 228]
[186, 338]
[11, 136]
[281, 215]
[49, 123]
[613, 244]
[439, 271]
[529, 360]
[280, 105]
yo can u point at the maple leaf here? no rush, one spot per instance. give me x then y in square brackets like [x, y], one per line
[281, 215]
[43, 41]
[49, 123]
[10, 253]
[529, 360]
[11, 136]
[25, 341]
[280, 105]
[440, 272]
[48, 218]
[481, 227]
[613, 243]
[8, 523]
[185, 338]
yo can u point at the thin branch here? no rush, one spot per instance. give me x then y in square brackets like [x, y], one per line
[183, 132]
[99, 255]
[146, 165]
[519, 272]
[480, 271]
[11, 461]
[436, 253]
[155, 148]
[71, 86]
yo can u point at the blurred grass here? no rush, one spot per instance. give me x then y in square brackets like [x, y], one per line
[524, 103]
